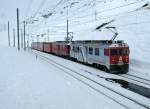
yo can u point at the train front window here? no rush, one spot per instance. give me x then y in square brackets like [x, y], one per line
[113, 52]
[119, 51]
[125, 51]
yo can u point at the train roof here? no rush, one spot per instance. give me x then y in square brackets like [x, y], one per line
[98, 41]
[107, 42]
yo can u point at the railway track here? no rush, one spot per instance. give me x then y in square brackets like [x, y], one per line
[124, 77]
[130, 77]
[68, 71]
[136, 78]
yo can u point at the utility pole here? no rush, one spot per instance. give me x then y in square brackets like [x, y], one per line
[48, 35]
[67, 23]
[37, 38]
[14, 38]
[21, 38]
[95, 14]
[67, 30]
[18, 29]
[8, 35]
[24, 35]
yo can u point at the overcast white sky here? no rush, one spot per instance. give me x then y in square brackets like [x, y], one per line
[8, 8]
[27, 8]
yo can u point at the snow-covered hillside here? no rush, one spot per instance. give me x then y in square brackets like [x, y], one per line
[130, 17]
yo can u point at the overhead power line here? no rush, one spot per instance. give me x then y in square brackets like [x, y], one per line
[91, 14]
[111, 9]
[28, 8]
[76, 12]
[39, 8]
[105, 17]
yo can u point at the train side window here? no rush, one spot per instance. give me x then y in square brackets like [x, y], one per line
[106, 52]
[97, 51]
[78, 49]
[91, 50]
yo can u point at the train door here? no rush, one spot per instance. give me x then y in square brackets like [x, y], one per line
[90, 51]
[74, 52]
[107, 57]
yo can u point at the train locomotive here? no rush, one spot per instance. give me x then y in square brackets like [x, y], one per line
[112, 56]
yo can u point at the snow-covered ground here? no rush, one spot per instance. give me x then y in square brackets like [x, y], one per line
[30, 83]
[92, 73]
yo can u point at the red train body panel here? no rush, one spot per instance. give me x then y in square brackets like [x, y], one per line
[47, 47]
[55, 48]
[64, 50]
[40, 46]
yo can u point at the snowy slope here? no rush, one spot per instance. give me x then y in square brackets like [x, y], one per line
[131, 20]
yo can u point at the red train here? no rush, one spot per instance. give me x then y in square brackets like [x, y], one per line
[57, 48]
[113, 56]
